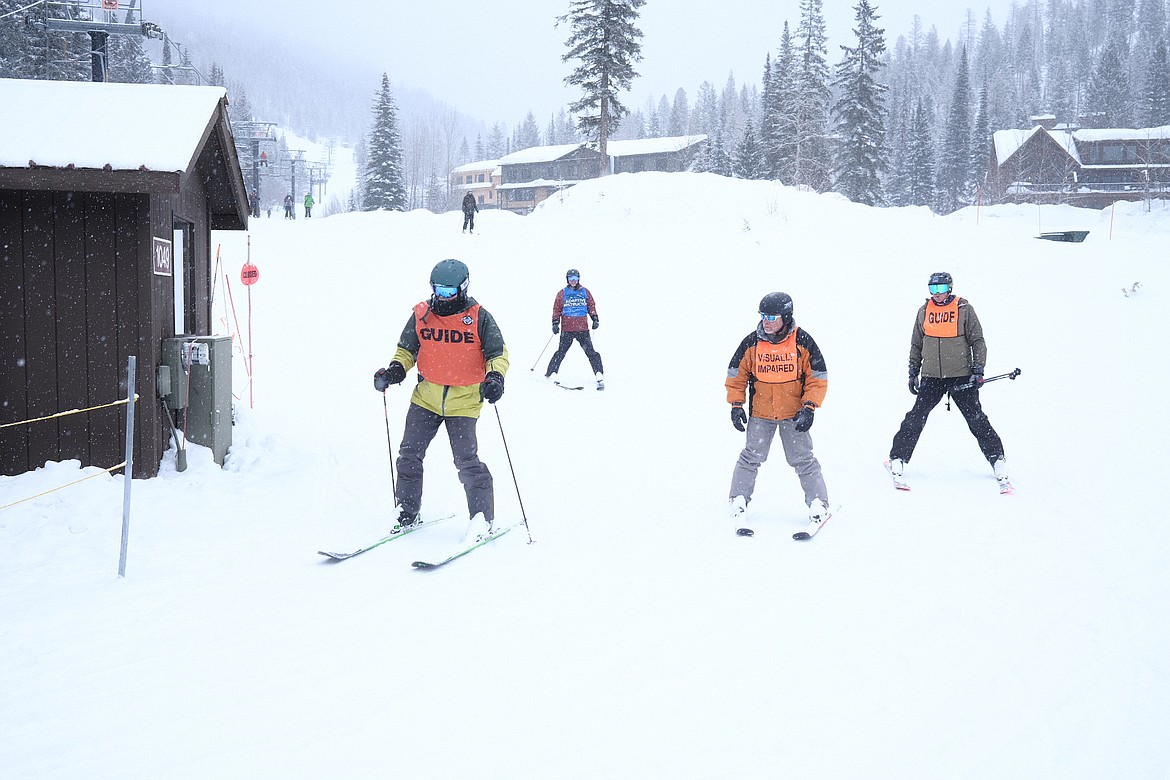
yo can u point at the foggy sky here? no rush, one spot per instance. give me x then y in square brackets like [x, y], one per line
[496, 61]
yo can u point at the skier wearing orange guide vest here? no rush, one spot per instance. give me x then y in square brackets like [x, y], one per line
[461, 359]
[779, 370]
[947, 347]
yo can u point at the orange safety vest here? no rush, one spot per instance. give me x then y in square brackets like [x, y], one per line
[777, 363]
[941, 321]
[449, 352]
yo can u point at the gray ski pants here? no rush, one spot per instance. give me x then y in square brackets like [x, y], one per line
[798, 450]
[421, 427]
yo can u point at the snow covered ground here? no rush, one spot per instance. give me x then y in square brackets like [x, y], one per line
[947, 632]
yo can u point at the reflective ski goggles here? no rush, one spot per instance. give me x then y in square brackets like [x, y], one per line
[938, 289]
[443, 291]
[573, 278]
[770, 317]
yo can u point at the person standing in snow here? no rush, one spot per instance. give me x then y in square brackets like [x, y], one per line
[573, 307]
[288, 206]
[779, 372]
[309, 205]
[947, 348]
[461, 359]
[470, 207]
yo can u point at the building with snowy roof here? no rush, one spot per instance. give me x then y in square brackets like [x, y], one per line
[1053, 163]
[478, 178]
[108, 196]
[530, 176]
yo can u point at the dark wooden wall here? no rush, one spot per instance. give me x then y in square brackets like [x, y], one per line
[78, 296]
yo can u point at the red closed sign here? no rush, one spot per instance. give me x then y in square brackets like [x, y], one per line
[249, 274]
[109, 5]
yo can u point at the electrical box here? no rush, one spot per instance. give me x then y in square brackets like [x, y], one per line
[199, 388]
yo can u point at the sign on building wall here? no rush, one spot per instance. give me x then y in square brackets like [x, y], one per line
[164, 257]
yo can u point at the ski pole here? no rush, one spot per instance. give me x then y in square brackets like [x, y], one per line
[389, 445]
[538, 357]
[513, 470]
[1008, 375]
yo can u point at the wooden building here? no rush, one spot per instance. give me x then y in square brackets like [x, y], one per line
[108, 196]
[1053, 163]
[480, 179]
[531, 176]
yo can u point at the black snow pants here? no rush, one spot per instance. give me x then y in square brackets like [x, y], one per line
[930, 392]
[567, 339]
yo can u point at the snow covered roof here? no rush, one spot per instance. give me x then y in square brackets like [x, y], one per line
[613, 149]
[127, 127]
[482, 165]
[539, 183]
[1008, 142]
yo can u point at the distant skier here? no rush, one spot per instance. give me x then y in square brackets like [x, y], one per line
[309, 205]
[571, 308]
[779, 371]
[470, 207]
[461, 359]
[947, 346]
[288, 206]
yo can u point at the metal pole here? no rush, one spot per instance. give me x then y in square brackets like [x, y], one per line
[513, 470]
[538, 357]
[128, 473]
[390, 446]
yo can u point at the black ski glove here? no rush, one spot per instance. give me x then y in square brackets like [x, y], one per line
[976, 375]
[596, 322]
[492, 387]
[803, 419]
[391, 375]
[739, 418]
[556, 326]
[914, 384]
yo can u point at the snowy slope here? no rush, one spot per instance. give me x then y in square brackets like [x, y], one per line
[947, 632]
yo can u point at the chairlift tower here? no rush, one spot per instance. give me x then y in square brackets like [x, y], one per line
[96, 18]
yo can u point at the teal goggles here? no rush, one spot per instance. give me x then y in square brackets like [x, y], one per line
[443, 291]
[938, 289]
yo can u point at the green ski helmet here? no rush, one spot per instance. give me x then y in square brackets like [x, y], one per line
[450, 273]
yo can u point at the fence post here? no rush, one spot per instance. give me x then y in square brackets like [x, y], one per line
[128, 473]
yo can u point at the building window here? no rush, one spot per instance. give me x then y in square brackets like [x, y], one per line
[468, 179]
[480, 177]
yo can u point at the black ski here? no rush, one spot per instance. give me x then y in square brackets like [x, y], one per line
[397, 532]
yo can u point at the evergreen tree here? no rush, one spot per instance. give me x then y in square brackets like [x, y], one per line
[981, 145]
[385, 177]
[748, 161]
[897, 183]
[497, 145]
[606, 41]
[785, 112]
[1109, 98]
[128, 61]
[706, 114]
[715, 158]
[920, 160]
[436, 194]
[954, 185]
[680, 114]
[860, 113]
[480, 149]
[812, 164]
[1155, 104]
[528, 135]
[215, 76]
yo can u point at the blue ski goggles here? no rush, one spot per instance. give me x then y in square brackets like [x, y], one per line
[573, 278]
[938, 289]
[770, 317]
[443, 291]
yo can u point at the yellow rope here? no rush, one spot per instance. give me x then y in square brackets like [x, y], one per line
[65, 414]
[62, 487]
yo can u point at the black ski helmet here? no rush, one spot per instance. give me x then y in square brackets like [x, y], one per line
[450, 273]
[778, 303]
[942, 277]
[572, 272]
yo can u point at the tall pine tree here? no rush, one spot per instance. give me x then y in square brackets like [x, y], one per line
[385, 178]
[954, 185]
[920, 160]
[860, 113]
[606, 41]
[812, 163]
